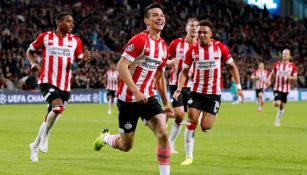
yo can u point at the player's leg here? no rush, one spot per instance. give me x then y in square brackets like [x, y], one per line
[280, 111]
[260, 100]
[207, 121]
[128, 117]
[57, 107]
[111, 102]
[189, 134]
[153, 116]
[176, 128]
[109, 99]
[158, 125]
[279, 105]
[179, 109]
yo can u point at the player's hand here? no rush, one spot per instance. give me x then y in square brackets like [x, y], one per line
[35, 67]
[169, 112]
[240, 93]
[140, 97]
[87, 55]
[176, 94]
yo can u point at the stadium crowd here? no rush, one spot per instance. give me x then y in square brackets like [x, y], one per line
[252, 35]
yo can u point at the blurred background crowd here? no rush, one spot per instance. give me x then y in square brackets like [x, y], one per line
[252, 35]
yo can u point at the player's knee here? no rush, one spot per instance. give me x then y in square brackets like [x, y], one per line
[178, 121]
[126, 148]
[58, 109]
[162, 136]
[206, 128]
[192, 126]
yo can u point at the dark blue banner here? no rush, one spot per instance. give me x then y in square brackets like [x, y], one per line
[28, 97]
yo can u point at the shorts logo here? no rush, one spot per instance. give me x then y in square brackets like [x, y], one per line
[130, 48]
[275, 94]
[51, 90]
[190, 101]
[128, 126]
[216, 106]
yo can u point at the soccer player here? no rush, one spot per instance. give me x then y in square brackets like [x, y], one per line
[260, 76]
[111, 77]
[205, 97]
[177, 50]
[60, 48]
[285, 72]
[140, 68]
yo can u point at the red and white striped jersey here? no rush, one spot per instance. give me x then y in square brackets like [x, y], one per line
[207, 66]
[262, 75]
[282, 72]
[58, 56]
[177, 50]
[112, 80]
[147, 56]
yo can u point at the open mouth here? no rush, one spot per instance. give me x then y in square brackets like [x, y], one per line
[159, 23]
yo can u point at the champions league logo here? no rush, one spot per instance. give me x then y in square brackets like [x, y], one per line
[95, 98]
[3, 99]
[130, 48]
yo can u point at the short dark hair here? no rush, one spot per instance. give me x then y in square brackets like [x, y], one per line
[151, 6]
[61, 16]
[206, 23]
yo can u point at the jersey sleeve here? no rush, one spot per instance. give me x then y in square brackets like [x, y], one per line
[79, 48]
[134, 47]
[294, 70]
[172, 48]
[275, 68]
[254, 73]
[226, 56]
[39, 42]
[188, 58]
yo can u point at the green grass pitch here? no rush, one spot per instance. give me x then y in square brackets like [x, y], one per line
[243, 142]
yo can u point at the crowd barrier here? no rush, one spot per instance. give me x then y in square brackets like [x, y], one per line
[99, 96]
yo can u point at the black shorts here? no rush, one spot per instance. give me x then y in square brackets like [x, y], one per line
[182, 99]
[205, 102]
[111, 93]
[50, 93]
[282, 96]
[258, 91]
[129, 113]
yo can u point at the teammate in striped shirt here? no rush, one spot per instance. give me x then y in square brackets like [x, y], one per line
[111, 77]
[177, 51]
[260, 76]
[205, 98]
[141, 67]
[60, 49]
[285, 72]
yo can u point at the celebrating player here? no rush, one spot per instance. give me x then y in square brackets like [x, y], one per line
[111, 77]
[141, 67]
[177, 50]
[260, 78]
[207, 57]
[285, 73]
[60, 49]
